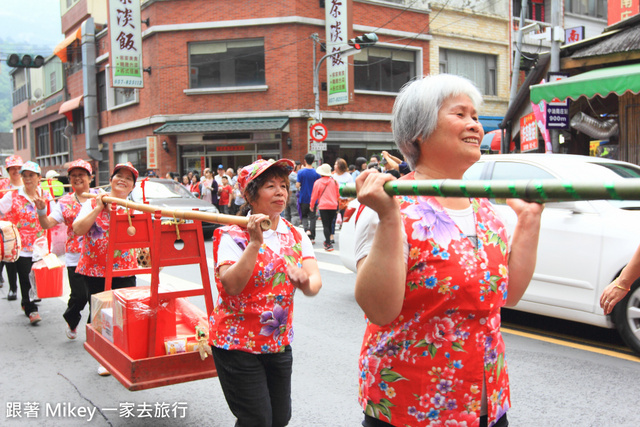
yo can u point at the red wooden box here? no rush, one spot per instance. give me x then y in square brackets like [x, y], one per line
[131, 314]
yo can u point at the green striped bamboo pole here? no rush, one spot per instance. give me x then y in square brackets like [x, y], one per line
[531, 190]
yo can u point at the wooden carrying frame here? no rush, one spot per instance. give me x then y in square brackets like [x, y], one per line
[155, 370]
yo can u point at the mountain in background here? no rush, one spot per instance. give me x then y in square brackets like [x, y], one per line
[8, 47]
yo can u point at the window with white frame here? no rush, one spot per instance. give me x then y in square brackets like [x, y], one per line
[19, 137]
[52, 144]
[226, 63]
[383, 69]
[52, 76]
[480, 68]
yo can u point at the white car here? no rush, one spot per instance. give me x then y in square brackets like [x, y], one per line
[583, 245]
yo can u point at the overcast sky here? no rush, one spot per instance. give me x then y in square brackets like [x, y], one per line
[31, 22]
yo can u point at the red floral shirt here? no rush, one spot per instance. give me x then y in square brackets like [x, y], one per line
[70, 208]
[427, 366]
[259, 319]
[5, 184]
[17, 208]
[93, 261]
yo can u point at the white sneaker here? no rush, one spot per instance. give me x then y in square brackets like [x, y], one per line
[71, 333]
[102, 371]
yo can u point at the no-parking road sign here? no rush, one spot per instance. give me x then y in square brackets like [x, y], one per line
[318, 132]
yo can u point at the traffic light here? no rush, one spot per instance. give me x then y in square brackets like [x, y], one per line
[25, 61]
[365, 40]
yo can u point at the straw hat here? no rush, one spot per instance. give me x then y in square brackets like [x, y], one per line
[324, 170]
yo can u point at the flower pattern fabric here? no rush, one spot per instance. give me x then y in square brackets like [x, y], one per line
[259, 319]
[93, 261]
[5, 184]
[426, 368]
[23, 213]
[70, 208]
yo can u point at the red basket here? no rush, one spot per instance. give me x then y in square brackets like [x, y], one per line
[49, 281]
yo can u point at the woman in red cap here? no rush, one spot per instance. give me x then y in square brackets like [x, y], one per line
[12, 165]
[66, 211]
[93, 223]
[257, 273]
[19, 208]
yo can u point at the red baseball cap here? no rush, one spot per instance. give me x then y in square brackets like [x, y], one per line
[251, 172]
[80, 164]
[12, 161]
[128, 166]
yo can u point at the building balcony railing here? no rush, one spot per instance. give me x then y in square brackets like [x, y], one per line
[20, 95]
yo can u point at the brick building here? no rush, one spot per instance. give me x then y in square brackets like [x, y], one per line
[226, 82]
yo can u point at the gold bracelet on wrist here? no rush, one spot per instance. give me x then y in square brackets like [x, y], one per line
[620, 287]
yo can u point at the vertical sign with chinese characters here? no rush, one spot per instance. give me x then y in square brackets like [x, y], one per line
[618, 10]
[528, 133]
[337, 27]
[152, 152]
[126, 43]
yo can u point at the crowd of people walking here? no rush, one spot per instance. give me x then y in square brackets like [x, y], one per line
[432, 352]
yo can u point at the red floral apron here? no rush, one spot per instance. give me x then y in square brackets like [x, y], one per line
[259, 319]
[426, 367]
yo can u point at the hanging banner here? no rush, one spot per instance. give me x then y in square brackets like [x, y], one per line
[152, 152]
[126, 43]
[337, 28]
[618, 10]
[528, 133]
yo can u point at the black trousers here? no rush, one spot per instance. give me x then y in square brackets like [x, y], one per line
[328, 217]
[308, 220]
[23, 265]
[77, 298]
[257, 387]
[95, 285]
[12, 275]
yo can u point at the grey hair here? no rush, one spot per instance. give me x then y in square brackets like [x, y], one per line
[415, 112]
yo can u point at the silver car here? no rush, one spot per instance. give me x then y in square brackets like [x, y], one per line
[169, 194]
[583, 244]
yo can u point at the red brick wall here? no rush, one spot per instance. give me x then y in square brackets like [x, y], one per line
[288, 66]
[74, 17]
[288, 63]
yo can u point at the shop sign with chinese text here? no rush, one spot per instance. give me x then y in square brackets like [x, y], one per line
[528, 133]
[152, 152]
[126, 43]
[337, 28]
[557, 111]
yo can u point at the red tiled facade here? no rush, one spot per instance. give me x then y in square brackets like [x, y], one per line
[286, 28]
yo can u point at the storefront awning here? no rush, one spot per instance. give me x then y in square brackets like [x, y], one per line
[61, 50]
[67, 107]
[490, 123]
[600, 82]
[231, 125]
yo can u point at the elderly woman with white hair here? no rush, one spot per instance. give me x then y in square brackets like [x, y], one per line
[433, 272]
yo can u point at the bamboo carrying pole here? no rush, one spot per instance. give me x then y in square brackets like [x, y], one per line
[534, 190]
[242, 221]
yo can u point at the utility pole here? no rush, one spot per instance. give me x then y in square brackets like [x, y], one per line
[557, 36]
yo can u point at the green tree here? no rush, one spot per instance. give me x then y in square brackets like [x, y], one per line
[5, 99]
